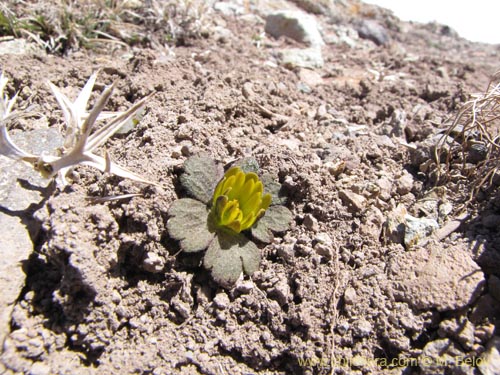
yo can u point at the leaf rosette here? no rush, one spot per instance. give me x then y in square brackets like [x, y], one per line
[224, 211]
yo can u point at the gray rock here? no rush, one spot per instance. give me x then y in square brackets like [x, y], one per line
[15, 247]
[39, 368]
[15, 244]
[353, 201]
[297, 25]
[362, 328]
[439, 355]
[435, 277]
[229, 8]
[17, 47]
[350, 296]
[303, 58]
[13, 196]
[404, 184]
[315, 6]
[311, 223]
[490, 364]
[372, 30]
[418, 229]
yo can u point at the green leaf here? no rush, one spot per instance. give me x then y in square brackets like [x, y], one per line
[230, 254]
[201, 175]
[189, 223]
[274, 188]
[276, 219]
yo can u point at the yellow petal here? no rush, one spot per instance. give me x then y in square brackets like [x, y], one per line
[237, 185]
[266, 201]
[248, 221]
[235, 225]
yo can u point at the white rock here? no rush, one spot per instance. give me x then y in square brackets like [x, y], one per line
[490, 364]
[303, 58]
[297, 25]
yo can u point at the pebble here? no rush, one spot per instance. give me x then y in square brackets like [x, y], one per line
[221, 301]
[311, 223]
[353, 201]
[245, 287]
[404, 184]
[310, 58]
[385, 186]
[362, 328]
[490, 365]
[297, 25]
[350, 296]
[372, 30]
[281, 292]
[153, 263]
[310, 78]
[39, 368]
[343, 327]
[417, 230]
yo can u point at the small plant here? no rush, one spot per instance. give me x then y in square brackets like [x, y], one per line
[473, 156]
[81, 141]
[225, 210]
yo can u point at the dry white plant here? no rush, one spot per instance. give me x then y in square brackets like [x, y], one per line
[81, 141]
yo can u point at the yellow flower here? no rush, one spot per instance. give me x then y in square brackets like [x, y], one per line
[238, 200]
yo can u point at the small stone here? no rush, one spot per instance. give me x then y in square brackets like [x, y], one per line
[244, 287]
[281, 292]
[343, 327]
[362, 328]
[186, 150]
[372, 30]
[437, 354]
[404, 184]
[311, 223]
[297, 25]
[490, 365]
[417, 230]
[116, 297]
[221, 301]
[310, 78]
[153, 263]
[385, 186]
[350, 296]
[335, 168]
[353, 201]
[39, 368]
[310, 58]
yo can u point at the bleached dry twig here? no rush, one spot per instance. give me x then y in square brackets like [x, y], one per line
[81, 141]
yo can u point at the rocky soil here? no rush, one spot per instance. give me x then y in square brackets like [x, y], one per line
[341, 102]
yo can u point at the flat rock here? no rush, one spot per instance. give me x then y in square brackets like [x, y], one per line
[372, 30]
[16, 199]
[15, 247]
[297, 25]
[435, 277]
[310, 58]
[490, 365]
[13, 196]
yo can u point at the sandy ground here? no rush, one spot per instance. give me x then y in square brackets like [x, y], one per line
[106, 290]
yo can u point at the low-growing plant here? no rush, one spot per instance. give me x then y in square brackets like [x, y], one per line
[470, 146]
[224, 213]
[81, 140]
